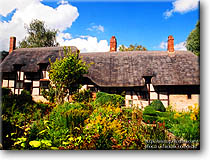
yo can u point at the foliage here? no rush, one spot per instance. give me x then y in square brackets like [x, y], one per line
[187, 124]
[152, 112]
[84, 96]
[18, 111]
[132, 48]
[158, 106]
[109, 127]
[49, 93]
[105, 98]
[66, 73]
[3, 54]
[193, 40]
[39, 36]
[64, 120]
[78, 126]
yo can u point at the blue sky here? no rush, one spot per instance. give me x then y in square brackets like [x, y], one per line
[137, 22]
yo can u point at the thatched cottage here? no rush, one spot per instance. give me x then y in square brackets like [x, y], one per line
[170, 76]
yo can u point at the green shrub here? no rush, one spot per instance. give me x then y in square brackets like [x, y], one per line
[154, 111]
[84, 96]
[158, 105]
[24, 98]
[149, 110]
[162, 114]
[63, 120]
[149, 119]
[7, 100]
[6, 91]
[105, 98]
[49, 94]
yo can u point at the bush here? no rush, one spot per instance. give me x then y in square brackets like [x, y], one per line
[24, 98]
[186, 124]
[49, 94]
[7, 100]
[149, 119]
[63, 120]
[6, 91]
[105, 98]
[158, 105]
[84, 96]
[149, 110]
[155, 110]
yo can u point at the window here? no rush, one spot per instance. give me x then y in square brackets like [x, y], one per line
[44, 84]
[144, 95]
[189, 96]
[19, 84]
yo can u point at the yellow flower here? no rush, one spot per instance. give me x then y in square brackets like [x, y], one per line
[35, 143]
[177, 115]
[192, 117]
[117, 110]
[196, 105]
[190, 108]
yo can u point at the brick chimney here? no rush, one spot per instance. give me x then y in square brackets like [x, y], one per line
[12, 44]
[113, 44]
[170, 43]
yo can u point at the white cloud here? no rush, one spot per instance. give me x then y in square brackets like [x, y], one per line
[182, 6]
[163, 45]
[59, 18]
[86, 44]
[178, 46]
[62, 2]
[98, 28]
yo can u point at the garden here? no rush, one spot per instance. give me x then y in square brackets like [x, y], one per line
[84, 123]
[100, 124]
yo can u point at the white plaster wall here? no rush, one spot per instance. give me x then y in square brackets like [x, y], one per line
[21, 75]
[153, 95]
[151, 88]
[36, 83]
[35, 91]
[11, 83]
[16, 91]
[5, 83]
[163, 95]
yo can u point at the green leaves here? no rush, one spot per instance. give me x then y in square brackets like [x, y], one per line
[39, 36]
[193, 40]
[66, 74]
[132, 48]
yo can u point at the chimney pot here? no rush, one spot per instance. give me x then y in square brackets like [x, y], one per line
[170, 43]
[113, 44]
[12, 44]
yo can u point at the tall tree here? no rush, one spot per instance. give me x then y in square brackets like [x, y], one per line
[132, 48]
[3, 54]
[193, 40]
[39, 36]
[66, 74]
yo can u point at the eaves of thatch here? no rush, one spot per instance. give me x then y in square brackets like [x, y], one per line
[117, 69]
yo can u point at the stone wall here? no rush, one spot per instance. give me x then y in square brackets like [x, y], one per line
[181, 102]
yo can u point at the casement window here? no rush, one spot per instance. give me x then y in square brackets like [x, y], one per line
[189, 96]
[44, 83]
[19, 84]
[144, 95]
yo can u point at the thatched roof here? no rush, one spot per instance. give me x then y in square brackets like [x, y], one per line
[128, 68]
[30, 58]
[119, 69]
